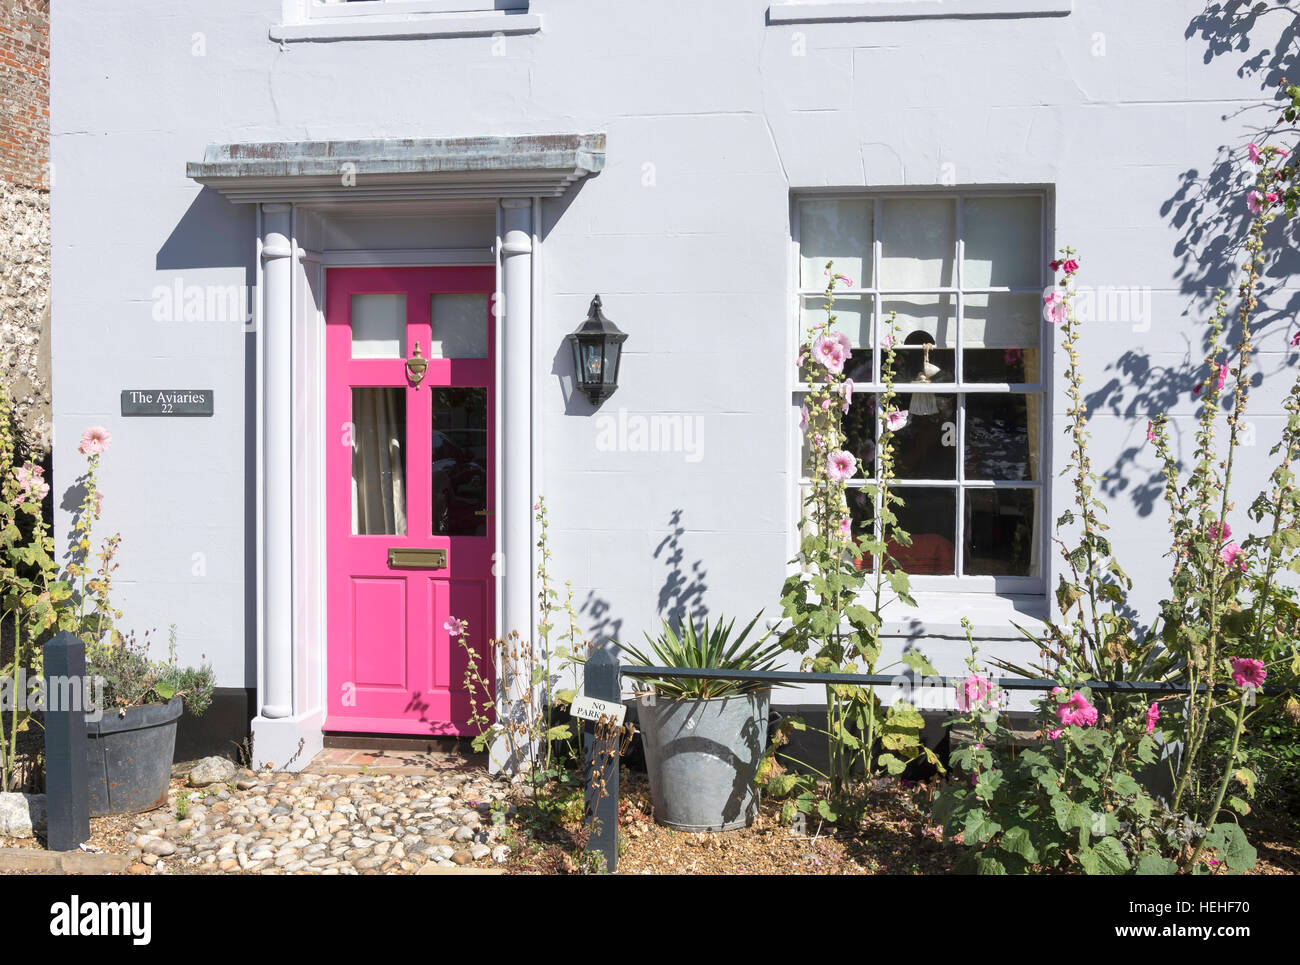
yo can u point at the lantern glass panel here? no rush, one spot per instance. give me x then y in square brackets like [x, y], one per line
[592, 362]
[611, 361]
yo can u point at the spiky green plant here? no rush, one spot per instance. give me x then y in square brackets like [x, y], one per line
[706, 648]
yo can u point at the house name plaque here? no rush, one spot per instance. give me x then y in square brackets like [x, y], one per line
[166, 402]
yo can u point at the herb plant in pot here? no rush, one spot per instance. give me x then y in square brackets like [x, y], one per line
[130, 746]
[704, 739]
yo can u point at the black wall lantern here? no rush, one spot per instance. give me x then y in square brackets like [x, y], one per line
[597, 348]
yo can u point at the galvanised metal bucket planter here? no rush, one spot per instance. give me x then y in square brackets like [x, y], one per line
[130, 757]
[702, 757]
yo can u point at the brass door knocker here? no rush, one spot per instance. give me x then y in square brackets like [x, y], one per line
[416, 366]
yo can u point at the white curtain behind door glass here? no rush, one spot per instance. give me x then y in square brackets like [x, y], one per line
[378, 462]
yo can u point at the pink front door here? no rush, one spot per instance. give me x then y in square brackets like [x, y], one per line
[409, 483]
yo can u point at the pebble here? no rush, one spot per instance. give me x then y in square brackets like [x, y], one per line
[323, 824]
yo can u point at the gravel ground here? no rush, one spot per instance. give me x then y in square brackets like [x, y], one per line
[395, 824]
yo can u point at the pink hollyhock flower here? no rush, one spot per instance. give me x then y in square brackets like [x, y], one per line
[823, 349]
[888, 342]
[1197, 390]
[31, 483]
[1153, 714]
[1219, 533]
[846, 344]
[1054, 265]
[1054, 307]
[1077, 711]
[1247, 672]
[1055, 734]
[803, 418]
[846, 527]
[975, 693]
[1281, 151]
[1151, 431]
[1011, 355]
[1295, 340]
[841, 465]
[1070, 267]
[94, 441]
[1270, 197]
[896, 420]
[1253, 199]
[846, 390]
[826, 404]
[455, 627]
[845, 279]
[836, 363]
[1254, 153]
[1233, 556]
[1223, 376]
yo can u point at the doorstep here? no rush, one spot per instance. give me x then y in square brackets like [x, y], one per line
[347, 760]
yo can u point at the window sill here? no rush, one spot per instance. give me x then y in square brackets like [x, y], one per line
[411, 27]
[815, 10]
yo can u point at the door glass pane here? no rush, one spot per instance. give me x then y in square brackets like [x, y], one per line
[378, 461]
[1002, 245]
[918, 243]
[1000, 538]
[460, 325]
[929, 516]
[838, 231]
[379, 326]
[460, 458]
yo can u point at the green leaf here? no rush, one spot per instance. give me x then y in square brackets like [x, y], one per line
[979, 828]
[1154, 864]
[1125, 785]
[1230, 842]
[1106, 857]
[1016, 841]
[989, 866]
[782, 784]
[916, 660]
[891, 764]
[824, 809]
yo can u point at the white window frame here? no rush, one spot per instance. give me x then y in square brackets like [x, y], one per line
[959, 582]
[316, 9]
[315, 20]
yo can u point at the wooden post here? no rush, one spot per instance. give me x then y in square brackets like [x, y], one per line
[67, 792]
[601, 681]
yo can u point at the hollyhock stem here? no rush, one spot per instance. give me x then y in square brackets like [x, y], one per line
[1238, 727]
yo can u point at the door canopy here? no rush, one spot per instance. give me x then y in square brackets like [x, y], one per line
[400, 169]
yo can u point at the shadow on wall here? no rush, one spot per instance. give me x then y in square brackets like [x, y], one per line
[683, 590]
[684, 586]
[216, 233]
[1208, 210]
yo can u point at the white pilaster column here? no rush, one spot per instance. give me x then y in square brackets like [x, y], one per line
[277, 461]
[514, 396]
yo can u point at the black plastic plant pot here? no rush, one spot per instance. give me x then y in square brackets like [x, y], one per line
[130, 757]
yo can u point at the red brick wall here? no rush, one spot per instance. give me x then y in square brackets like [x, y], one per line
[25, 92]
